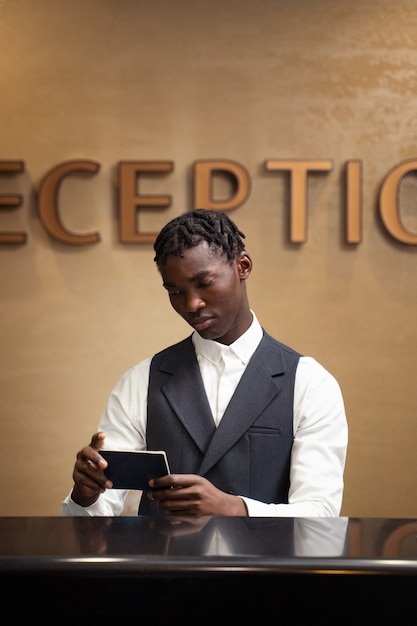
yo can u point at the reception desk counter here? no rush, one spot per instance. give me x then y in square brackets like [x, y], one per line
[163, 569]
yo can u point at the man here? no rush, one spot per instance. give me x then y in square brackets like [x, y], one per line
[250, 426]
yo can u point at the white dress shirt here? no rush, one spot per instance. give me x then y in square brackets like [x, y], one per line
[320, 428]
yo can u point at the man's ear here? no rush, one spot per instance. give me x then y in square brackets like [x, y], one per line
[244, 263]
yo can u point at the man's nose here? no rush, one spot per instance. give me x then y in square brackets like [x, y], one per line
[194, 302]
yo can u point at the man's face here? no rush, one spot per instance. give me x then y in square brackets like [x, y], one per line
[209, 292]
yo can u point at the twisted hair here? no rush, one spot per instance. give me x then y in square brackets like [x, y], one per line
[190, 229]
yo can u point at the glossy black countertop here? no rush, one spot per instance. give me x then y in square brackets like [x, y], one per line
[137, 546]
[218, 570]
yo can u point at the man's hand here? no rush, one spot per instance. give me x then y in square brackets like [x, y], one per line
[89, 478]
[190, 494]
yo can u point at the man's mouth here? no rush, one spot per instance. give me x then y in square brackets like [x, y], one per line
[201, 323]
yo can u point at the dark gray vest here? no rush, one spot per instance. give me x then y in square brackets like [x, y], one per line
[249, 452]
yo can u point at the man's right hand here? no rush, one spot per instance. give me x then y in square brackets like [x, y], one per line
[89, 478]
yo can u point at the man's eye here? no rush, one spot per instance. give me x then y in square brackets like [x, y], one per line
[172, 294]
[205, 284]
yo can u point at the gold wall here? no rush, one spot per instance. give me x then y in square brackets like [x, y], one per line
[244, 80]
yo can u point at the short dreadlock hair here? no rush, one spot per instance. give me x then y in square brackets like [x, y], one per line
[190, 229]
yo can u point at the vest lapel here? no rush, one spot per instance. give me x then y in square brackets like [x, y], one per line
[184, 390]
[255, 391]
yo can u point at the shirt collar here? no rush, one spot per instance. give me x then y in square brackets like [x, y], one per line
[243, 347]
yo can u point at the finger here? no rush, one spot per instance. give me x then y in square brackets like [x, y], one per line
[174, 480]
[90, 457]
[97, 440]
[93, 485]
[87, 482]
[171, 493]
[184, 509]
[90, 473]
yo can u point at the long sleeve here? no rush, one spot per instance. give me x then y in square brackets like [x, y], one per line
[319, 449]
[124, 422]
